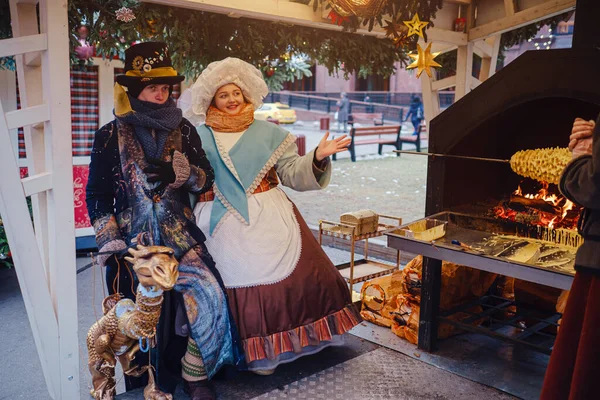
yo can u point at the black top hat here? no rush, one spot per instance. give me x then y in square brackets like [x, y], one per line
[149, 63]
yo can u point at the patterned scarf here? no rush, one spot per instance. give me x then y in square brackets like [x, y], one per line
[147, 116]
[220, 121]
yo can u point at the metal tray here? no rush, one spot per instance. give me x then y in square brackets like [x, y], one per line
[472, 233]
[425, 229]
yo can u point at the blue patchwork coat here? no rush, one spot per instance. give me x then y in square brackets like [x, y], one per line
[122, 204]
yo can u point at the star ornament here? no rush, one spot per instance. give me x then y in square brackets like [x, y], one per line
[400, 41]
[423, 61]
[415, 26]
[392, 29]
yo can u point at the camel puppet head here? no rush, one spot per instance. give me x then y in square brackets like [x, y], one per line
[155, 266]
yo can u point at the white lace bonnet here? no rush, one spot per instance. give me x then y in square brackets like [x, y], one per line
[219, 73]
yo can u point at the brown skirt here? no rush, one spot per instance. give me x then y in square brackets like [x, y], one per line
[306, 309]
[573, 370]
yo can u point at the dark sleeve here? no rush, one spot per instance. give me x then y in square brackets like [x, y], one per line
[99, 193]
[580, 181]
[202, 175]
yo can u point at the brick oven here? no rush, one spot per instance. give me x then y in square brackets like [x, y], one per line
[531, 103]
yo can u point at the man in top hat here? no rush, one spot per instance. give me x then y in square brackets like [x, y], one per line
[144, 164]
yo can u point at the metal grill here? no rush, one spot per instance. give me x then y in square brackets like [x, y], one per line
[500, 318]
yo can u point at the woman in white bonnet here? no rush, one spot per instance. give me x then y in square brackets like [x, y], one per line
[285, 294]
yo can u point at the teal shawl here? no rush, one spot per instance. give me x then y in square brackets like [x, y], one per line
[255, 153]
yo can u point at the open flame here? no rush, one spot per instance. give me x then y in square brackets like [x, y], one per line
[542, 194]
[539, 211]
[550, 198]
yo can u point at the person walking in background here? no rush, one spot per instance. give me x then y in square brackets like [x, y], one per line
[343, 105]
[415, 112]
[370, 107]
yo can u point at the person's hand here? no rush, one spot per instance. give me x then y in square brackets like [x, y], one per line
[160, 171]
[582, 147]
[329, 147]
[581, 130]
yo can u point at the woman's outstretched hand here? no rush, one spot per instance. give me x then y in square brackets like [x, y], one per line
[329, 147]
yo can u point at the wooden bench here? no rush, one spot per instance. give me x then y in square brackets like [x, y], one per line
[371, 118]
[396, 140]
[380, 131]
[412, 139]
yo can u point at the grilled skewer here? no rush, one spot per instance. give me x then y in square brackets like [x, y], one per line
[452, 156]
[545, 165]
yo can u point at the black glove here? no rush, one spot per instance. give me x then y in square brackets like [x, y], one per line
[122, 253]
[119, 255]
[160, 171]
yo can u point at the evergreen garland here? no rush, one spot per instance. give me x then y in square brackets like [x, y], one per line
[289, 69]
[518, 36]
[197, 38]
[398, 9]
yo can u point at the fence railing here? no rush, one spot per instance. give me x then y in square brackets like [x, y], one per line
[391, 98]
[328, 105]
[393, 106]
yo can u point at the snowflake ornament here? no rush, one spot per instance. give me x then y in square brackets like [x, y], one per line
[125, 14]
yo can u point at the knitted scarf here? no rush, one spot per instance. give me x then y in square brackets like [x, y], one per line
[147, 116]
[221, 121]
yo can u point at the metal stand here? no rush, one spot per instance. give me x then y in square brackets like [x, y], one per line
[461, 227]
[365, 269]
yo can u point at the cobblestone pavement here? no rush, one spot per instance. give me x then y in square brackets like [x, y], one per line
[386, 184]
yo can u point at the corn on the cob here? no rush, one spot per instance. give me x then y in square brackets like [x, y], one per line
[541, 164]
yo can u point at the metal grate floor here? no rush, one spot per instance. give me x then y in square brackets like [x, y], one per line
[384, 374]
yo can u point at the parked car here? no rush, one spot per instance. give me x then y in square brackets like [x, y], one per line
[281, 112]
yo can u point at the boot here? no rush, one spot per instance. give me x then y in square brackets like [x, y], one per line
[264, 372]
[199, 390]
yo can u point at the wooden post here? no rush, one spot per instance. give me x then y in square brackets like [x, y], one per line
[24, 22]
[29, 266]
[106, 74]
[543, 9]
[431, 102]
[61, 221]
[488, 63]
[49, 294]
[8, 90]
[464, 70]
[509, 7]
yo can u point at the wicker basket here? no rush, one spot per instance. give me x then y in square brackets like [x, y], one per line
[365, 221]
